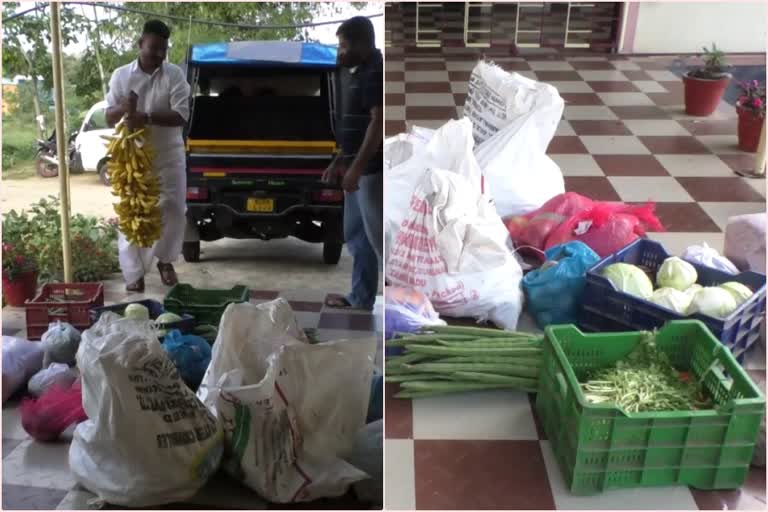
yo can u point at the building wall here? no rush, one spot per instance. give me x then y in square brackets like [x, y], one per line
[672, 27]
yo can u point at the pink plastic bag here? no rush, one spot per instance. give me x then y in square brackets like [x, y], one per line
[607, 227]
[534, 228]
[47, 417]
[604, 226]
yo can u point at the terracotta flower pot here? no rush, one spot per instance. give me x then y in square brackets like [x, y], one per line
[703, 95]
[749, 128]
[21, 289]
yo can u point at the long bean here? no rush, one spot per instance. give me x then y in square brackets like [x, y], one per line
[438, 386]
[502, 369]
[492, 343]
[405, 359]
[426, 338]
[492, 378]
[404, 377]
[475, 331]
[521, 361]
[457, 351]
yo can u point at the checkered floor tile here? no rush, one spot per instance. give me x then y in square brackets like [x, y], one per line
[36, 476]
[624, 136]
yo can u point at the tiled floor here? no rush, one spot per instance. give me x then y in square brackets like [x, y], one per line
[37, 476]
[624, 136]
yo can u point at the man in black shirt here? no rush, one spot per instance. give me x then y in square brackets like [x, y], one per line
[360, 164]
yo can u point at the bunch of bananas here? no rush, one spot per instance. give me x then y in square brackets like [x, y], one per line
[135, 183]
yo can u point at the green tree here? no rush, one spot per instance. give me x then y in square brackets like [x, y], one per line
[26, 47]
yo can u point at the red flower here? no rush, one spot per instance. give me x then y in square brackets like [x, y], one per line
[757, 103]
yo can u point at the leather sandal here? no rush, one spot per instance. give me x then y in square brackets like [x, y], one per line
[136, 287]
[167, 274]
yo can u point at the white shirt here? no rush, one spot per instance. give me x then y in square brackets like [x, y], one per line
[164, 90]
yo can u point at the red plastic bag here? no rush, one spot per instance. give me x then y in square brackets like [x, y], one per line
[607, 227]
[47, 417]
[604, 226]
[534, 228]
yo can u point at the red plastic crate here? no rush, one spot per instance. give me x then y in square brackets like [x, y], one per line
[69, 303]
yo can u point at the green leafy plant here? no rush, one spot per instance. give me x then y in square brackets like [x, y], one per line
[18, 255]
[94, 241]
[715, 64]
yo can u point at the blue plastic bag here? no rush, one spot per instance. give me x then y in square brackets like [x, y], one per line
[554, 290]
[190, 354]
[406, 311]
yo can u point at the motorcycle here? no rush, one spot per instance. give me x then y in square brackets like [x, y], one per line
[46, 161]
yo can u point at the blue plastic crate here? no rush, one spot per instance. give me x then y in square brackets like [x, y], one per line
[186, 325]
[605, 309]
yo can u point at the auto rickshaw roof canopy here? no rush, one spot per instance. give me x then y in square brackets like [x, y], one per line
[292, 54]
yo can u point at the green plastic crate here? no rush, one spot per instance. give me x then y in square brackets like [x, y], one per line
[599, 447]
[206, 306]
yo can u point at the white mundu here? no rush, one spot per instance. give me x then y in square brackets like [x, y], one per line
[166, 89]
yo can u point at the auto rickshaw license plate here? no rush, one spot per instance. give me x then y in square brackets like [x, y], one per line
[260, 205]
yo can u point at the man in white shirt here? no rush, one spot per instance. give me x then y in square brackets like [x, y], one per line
[163, 107]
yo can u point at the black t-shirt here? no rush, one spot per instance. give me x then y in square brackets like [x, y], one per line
[362, 89]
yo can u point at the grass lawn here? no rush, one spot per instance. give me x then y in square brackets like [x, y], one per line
[18, 148]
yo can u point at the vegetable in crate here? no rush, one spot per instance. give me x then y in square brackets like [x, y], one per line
[645, 381]
[739, 292]
[136, 311]
[676, 273]
[445, 359]
[629, 279]
[165, 319]
[672, 299]
[713, 301]
[693, 290]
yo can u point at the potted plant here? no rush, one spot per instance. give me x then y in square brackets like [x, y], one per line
[20, 272]
[705, 85]
[751, 110]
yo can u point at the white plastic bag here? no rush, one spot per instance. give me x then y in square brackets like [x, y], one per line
[403, 146]
[56, 373]
[453, 248]
[514, 119]
[745, 241]
[289, 409]
[449, 148]
[709, 257]
[148, 440]
[21, 360]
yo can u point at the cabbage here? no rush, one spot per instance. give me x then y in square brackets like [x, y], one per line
[165, 319]
[672, 299]
[693, 290]
[740, 292]
[629, 279]
[168, 318]
[713, 301]
[676, 273]
[136, 311]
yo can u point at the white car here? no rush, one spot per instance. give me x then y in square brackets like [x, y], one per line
[89, 145]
